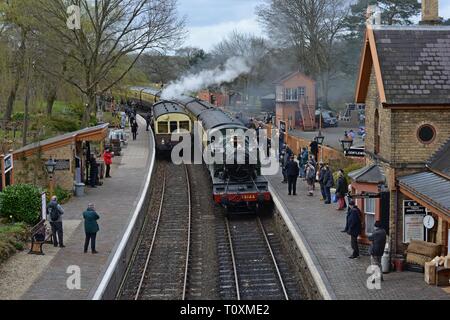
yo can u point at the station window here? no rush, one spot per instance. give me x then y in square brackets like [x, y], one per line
[163, 127]
[369, 209]
[173, 126]
[184, 125]
[291, 94]
[426, 133]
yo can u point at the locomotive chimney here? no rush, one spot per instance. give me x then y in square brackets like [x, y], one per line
[430, 12]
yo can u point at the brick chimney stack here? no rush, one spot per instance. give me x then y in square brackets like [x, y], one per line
[430, 12]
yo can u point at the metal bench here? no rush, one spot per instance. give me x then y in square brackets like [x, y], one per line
[40, 235]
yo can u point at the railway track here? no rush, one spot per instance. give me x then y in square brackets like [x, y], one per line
[252, 263]
[160, 264]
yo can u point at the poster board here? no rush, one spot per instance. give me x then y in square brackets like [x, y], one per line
[413, 215]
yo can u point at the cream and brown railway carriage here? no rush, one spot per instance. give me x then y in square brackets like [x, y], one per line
[169, 117]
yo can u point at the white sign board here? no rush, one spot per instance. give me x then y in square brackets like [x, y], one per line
[413, 215]
[44, 206]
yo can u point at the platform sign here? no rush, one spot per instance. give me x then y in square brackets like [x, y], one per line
[8, 163]
[413, 215]
[355, 152]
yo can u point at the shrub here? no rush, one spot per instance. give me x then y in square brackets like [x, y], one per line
[12, 238]
[22, 202]
[18, 116]
[62, 194]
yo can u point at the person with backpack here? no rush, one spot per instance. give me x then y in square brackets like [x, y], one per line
[90, 227]
[54, 213]
[310, 178]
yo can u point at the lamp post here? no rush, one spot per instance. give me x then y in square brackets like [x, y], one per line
[50, 166]
[346, 145]
[319, 139]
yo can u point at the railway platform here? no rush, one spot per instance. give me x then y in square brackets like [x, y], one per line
[53, 276]
[317, 226]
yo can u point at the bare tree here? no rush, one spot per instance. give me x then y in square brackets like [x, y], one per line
[311, 27]
[98, 55]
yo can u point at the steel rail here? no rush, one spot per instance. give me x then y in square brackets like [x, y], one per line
[230, 240]
[280, 278]
[138, 291]
[188, 249]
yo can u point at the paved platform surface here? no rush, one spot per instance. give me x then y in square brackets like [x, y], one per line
[115, 202]
[320, 225]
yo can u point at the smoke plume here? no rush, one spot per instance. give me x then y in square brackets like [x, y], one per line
[232, 69]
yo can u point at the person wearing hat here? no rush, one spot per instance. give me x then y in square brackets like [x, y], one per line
[292, 172]
[90, 227]
[376, 249]
[354, 228]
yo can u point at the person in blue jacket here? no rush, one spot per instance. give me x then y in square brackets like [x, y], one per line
[90, 227]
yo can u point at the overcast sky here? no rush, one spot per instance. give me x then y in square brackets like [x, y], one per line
[209, 21]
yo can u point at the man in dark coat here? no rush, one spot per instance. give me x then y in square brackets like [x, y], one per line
[354, 228]
[314, 149]
[90, 227]
[134, 129]
[292, 172]
[328, 183]
[93, 172]
[376, 248]
[148, 120]
[322, 185]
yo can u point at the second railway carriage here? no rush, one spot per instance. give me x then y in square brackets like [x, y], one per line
[169, 117]
[236, 185]
[144, 97]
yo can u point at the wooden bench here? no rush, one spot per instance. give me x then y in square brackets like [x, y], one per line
[40, 234]
[442, 277]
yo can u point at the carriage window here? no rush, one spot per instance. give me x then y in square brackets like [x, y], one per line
[163, 127]
[173, 126]
[184, 125]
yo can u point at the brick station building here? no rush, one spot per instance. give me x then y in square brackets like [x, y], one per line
[68, 150]
[404, 82]
[296, 99]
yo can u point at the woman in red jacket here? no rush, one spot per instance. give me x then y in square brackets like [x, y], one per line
[107, 157]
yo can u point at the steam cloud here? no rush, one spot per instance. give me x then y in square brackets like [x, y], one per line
[232, 69]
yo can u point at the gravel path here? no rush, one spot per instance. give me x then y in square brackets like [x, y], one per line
[20, 271]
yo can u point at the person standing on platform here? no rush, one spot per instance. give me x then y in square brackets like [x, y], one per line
[322, 185]
[148, 120]
[93, 172]
[314, 147]
[54, 213]
[134, 129]
[292, 172]
[107, 157]
[310, 178]
[354, 228]
[303, 159]
[376, 248]
[90, 227]
[341, 190]
[328, 183]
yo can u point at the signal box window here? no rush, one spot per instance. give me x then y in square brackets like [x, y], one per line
[173, 126]
[184, 125]
[163, 127]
